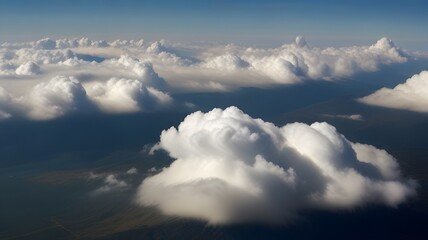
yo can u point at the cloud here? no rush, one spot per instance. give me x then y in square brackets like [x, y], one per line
[411, 95]
[47, 100]
[66, 95]
[298, 61]
[6, 102]
[45, 43]
[231, 168]
[208, 66]
[132, 171]
[126, 96]
[143, 69]
[125, 76]
[111, 183]
[226, 62]
[55, 98]
[355, 117]
[42, 56]
[29, 68]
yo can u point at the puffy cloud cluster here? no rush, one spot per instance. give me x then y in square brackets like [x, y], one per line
[193, 67]
[411, 95]
[143, 69]
[42, 56]
[55, 98]
[135, 73]
[49, 44]
[226, 62]
[124, 95]
[299, 61]
[232, 168]
[63, 95]
[29, 68]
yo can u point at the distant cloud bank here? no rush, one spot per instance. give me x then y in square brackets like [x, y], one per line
[132, 75]
[411, 95]
[232, 168]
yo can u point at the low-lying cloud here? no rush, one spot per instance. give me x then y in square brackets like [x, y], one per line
[131, 75]
[126, 96]
[65, 95]
[111, 183]
[231, 168]
[411, 95]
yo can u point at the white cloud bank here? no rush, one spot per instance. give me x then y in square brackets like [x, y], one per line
[411, 95]
[289, 63]
[232, 168]
[128, 76]
[63, 95]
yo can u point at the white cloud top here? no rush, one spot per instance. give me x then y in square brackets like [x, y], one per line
[55, 98]
[411, 95]
[29, 68]
[232, 168]
[125, 96]
[63, 95]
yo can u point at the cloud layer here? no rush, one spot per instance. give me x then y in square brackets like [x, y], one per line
[411, 95]
[232, 168]
[128, 76]
[64, 95]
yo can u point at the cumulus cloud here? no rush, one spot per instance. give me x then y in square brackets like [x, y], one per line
[411, 95]
[231, 168]
[47, 100]
[287, 64]
[125, 96]
[111, 183]
[55, 98]
[29, 68]
[65, 95]
[226, 62]
[298, 61]
[144, 72]
[42, 56]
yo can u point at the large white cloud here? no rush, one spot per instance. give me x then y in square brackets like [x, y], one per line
[232, 168]
[411, 95]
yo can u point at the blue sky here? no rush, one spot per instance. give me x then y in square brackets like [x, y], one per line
[268, 22]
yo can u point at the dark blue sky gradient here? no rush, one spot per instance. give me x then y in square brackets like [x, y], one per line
[268, 22]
